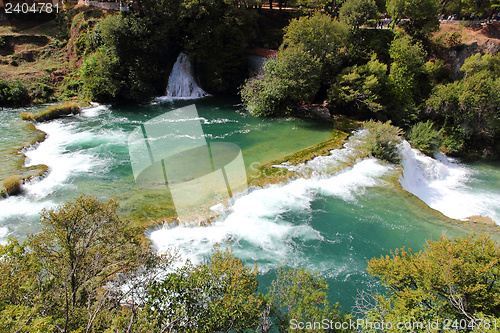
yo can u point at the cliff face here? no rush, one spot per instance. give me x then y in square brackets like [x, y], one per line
[474, 39]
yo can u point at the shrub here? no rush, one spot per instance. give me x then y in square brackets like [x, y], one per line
[425, 138]
[13, 94]
[382, 141]
[98, 74]
[293, 77]
[42, 93]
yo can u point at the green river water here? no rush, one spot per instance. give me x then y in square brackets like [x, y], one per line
[330, 223]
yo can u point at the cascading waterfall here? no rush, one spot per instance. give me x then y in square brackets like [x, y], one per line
[181, 83]
[442, 184]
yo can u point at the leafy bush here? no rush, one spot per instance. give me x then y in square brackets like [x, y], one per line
[99, 75]
[42, 93]
[471, 106]
[291, 78]
[13, 94]
[425, 138]
[382, 141]
[359, 88]
[320, 36]
[407, 79]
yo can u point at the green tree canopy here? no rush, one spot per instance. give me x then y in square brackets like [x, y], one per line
[471, 106]
[359, 88]
[321, 37]
[357, 12]
[407, 78]
[301, 296]
[212, 297]
[291, 78]
[449, 279]
[419, 18]
[70, 277]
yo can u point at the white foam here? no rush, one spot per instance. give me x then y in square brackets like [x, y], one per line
[3, 234]
[181, 83]
[256, 223]
[53, 153]
[442, 184]
[94, 110]
[336, 160]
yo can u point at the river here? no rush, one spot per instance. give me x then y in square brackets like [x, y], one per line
[331, 223]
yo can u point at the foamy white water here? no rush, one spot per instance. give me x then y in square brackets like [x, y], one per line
[336, 160]
[53, 153]
[442, 184]
[181, 82]
[257, 220]
[64, 162]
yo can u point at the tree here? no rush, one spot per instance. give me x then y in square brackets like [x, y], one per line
[357, 12]
[359, 88]
[449, 279]
[407, 78]
[471, 106]
[291, 78]
[75, 274]
[321, 37]
[419, 18]
[216, 296]
[302, 296]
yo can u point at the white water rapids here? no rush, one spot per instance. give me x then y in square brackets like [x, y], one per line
[442, 183]
[256, 217]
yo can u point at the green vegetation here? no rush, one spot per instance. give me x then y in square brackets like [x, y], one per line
[471, 106]
[455, 279]
[294, 76]
[357, 12]
[212, 297]
[359, 88]
[382, 141]
[69, 277]
[13, 94]
[299, 295]
[418, 19]
[52, 112]
[425, 138]
[86, 272]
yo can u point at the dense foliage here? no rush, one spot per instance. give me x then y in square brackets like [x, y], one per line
[471, 106]
[86, 272]
[13, 94]
[382, 141]
[450, 280]
[291, 78]
[425, 138]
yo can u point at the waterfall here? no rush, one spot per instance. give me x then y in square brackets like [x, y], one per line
[181, 83]
[442, 184]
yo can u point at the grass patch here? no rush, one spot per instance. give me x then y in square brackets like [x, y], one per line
[52, 112]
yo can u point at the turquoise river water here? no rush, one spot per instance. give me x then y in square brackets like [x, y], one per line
[329, 222]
